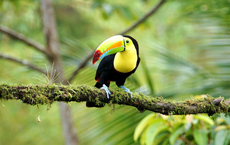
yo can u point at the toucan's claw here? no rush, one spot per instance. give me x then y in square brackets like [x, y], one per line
[104, 87]
[127, 90]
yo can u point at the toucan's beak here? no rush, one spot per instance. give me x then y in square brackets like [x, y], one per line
[110, 46]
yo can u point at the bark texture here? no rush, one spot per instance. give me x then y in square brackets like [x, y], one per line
[34, 95]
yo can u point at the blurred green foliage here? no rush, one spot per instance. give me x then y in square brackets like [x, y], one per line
[184, 49]
[199, 129]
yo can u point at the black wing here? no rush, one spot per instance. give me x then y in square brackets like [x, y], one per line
[106, 64]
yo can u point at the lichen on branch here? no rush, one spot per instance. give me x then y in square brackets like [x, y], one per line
[35, 94]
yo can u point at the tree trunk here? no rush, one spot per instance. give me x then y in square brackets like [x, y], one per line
[52, 46]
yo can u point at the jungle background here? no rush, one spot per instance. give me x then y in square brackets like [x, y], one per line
[184, 50]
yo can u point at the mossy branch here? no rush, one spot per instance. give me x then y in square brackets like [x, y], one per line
[35, 95]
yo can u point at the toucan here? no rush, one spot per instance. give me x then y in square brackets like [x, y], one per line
[120, 59]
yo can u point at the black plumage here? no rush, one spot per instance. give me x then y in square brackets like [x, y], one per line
[107, 73]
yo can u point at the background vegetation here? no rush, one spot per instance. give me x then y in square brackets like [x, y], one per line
[184, 49]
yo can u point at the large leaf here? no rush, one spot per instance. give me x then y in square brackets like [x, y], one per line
[220, 137]
[205, 118]
[142, 125]
[154, 130]
[200, 136]
[177, 131]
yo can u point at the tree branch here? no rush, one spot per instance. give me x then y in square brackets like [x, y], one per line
[23, 62]
[141, 20]
[81, 65]
[24, 39]
[35, 95]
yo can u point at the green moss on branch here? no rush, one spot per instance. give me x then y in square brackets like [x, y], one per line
[35, 95]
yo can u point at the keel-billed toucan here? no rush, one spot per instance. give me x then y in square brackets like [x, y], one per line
[120, 58]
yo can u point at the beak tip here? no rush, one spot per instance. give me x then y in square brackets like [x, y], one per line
[96, 56]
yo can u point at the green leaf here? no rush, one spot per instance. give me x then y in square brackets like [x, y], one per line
[151, 133]
[200, 136]
[142, 125]
[166, 142]
[143, 138]
[205, 118]
[227, 139]
[154, 130]
[187, 126]
[221, 137]
[176, 133]
[221, 127]
[160, 138]
[227, 119]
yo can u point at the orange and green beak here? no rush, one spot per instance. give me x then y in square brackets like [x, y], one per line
[110, 46]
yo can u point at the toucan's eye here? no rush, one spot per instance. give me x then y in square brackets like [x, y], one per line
[127, 41]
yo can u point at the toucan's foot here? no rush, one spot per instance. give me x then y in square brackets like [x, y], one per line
[127, 90]
[104, 87]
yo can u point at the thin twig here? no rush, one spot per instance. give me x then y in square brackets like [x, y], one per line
[82, 65]
[23, 62]
[23, 38]
[141, 20]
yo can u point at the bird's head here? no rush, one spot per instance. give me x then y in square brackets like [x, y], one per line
[114, 44]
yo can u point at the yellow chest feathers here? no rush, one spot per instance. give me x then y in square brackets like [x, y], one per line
[125, 61]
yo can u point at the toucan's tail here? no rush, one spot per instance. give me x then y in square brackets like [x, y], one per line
[93, 104]
[98, 85]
